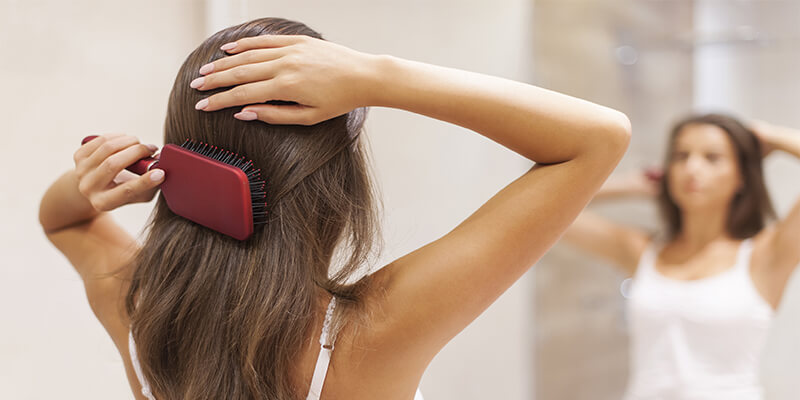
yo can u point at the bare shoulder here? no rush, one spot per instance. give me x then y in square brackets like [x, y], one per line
[368, 362]
[636, 241]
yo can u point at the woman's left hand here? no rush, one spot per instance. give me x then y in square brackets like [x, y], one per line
[765, 132]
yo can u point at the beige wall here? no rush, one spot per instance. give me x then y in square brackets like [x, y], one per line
[80, 67]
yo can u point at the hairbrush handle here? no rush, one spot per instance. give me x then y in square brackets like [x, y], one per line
[139, 167]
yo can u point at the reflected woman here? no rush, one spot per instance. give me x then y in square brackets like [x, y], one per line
[705, 290]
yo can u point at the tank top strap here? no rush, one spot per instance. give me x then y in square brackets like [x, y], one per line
[647, 260]
[743, 255]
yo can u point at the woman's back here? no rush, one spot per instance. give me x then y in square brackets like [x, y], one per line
[348, 374]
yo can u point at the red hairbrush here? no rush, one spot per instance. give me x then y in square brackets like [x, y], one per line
[210, 186]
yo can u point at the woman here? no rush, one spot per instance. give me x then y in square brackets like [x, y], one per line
[208, 317]
[704, 292]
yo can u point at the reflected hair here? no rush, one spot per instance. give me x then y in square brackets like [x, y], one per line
[217, 318]
[750, 209]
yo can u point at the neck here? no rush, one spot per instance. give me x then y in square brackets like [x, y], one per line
[701, 227]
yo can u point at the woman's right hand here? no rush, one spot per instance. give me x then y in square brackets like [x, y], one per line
[640, 182]
[321, 79]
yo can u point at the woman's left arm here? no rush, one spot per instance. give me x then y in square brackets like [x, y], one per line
[785, 238]
[74, 216]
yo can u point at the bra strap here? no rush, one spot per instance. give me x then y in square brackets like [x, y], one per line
[324, 359]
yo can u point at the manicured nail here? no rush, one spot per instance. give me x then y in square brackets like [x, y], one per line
[152, 147]
[206, 68]
[228, 46]
[201, 104]
[157, 175]
[245, 115]
[197, 82]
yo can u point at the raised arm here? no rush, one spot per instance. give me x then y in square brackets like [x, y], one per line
[74, 216]
[431, 294]
[619, 244]
[784, 238]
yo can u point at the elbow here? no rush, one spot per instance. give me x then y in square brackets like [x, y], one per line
[622, 131]
[43, 220]
[616, 134]
[47, 218]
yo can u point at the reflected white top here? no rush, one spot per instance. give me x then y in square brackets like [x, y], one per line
[698, 339]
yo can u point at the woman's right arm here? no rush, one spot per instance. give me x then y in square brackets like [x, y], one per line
[431, 294]
[619, 244]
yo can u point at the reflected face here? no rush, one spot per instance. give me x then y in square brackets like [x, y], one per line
[703, 170]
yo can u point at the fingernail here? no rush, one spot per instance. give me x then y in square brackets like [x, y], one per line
[245, 115]
[152, 147]
[201, 104]
[157, 175]
[228, 46]
[207, 68]
[197, 82]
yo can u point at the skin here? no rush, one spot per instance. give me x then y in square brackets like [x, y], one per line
[704, 177]
[423, 299]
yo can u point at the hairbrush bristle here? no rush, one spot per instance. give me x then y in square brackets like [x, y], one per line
[258, 193]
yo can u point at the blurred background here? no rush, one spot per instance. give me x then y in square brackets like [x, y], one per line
[85, 67]
[657, 61]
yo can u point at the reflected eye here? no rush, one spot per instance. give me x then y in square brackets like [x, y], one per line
[713, 157]
[680, 156]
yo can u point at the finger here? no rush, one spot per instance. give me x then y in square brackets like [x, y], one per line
[235, 76]
[248, 57]
[263, 41]
[89, 147]
[249, 93]
[124, 176]
[107, 147]
[99, 178]
[294, 114]
[140, 189]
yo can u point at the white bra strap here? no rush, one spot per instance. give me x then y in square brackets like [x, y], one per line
[137, 369]
[324, 359]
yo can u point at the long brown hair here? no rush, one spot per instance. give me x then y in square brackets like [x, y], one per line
[216, 318]
[750, 207]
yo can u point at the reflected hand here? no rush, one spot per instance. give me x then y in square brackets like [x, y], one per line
[320, 79]
[640, 182]
[765, 133]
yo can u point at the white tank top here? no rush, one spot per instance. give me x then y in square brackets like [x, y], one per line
[320, 371]
[699, 339]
